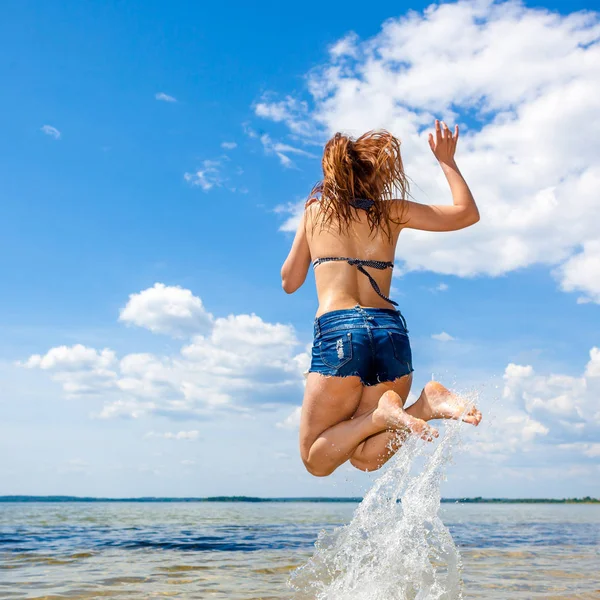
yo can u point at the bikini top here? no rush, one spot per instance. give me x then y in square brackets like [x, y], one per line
[364, 204]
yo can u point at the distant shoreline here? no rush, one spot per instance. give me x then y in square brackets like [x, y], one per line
[152, 499]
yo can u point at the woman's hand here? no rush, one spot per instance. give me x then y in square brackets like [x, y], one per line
[443, 145]
[463, 211]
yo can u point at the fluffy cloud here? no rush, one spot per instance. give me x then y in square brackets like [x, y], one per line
[553, 418]
[171, 310]
[73, 358]
[80, 370]
[236, 361]
[571, 400]
[581, 273]
[523, 85]
[290, 111]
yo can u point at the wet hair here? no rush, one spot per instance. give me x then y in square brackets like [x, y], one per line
[367, 167]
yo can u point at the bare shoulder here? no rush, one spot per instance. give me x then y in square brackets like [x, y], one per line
[311, 209]
[399, 212]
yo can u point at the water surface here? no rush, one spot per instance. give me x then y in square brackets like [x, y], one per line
[244, 551]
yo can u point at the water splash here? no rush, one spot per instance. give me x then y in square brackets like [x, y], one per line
[392, 550]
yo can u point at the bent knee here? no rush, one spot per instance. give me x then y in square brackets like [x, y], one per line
[365, 465]
[316, 469]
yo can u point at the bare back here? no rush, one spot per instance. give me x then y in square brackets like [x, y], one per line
[339, 284]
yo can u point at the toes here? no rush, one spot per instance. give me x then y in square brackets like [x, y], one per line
[429, 433]
[473, 416]
[476, 414]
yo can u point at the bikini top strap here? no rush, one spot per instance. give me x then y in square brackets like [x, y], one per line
[360, 265]
[364, 203]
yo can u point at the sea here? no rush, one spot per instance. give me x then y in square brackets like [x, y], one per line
[400, 542]
[247, 550]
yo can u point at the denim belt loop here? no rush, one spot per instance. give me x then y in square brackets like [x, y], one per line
[364, 314]
[317, 327]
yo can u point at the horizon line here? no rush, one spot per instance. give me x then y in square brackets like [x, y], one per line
[257, 499]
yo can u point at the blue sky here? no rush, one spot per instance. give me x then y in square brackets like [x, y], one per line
[148, 144]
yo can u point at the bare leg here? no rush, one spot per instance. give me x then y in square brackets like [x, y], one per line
[376, 450]
[327, 450]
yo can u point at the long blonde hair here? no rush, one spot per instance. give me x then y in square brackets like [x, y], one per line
[367, 167]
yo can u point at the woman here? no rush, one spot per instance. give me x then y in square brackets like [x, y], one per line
[361, 367]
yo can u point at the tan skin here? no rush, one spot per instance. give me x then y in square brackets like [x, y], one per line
[342, 419]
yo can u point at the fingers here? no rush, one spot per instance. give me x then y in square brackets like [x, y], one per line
[438, 132]
[447, 134]
[442, 132]
[431, 142]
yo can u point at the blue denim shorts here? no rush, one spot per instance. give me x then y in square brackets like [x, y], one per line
[369, 342]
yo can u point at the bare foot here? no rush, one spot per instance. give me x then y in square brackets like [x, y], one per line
[389, 413]
[438, 402]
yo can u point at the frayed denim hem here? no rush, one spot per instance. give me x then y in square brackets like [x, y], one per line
[356, 374]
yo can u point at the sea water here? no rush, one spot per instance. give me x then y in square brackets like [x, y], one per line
[396, 546]
[246, 551]
[379, 548]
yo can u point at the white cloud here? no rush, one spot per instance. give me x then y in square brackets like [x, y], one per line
[592, 450]
[170, 435]
[165, 97]
[282, 150]
[581, 273]
[346, 47]
[294, 211]
[228, 145]
[236, 361]
[592, 369]
[442, 287]
[132, 408]
[207, 177]
[80, 370]
[535, 183]
[528, 427]
[294, 113]
[442, 337]
[51, 131]
[171, 310]
[542, 415]
[72, 358]
[292, 421]
[557, 400]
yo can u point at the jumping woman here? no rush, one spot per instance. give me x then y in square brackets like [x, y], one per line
[361, 366]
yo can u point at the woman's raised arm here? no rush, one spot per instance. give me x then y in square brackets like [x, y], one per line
[463, 212]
